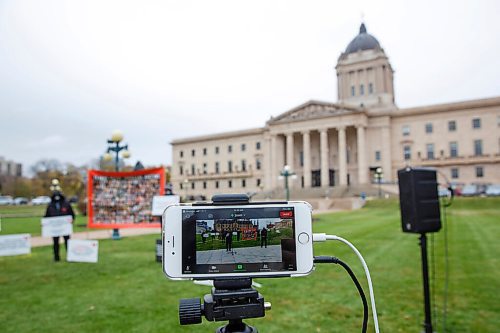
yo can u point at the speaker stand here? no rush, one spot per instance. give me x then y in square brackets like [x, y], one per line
[427, 293]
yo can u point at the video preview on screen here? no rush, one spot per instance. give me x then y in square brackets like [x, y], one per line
[239, 240]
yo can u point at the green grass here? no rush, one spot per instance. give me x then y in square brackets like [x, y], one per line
[26, 219]
[127, 291]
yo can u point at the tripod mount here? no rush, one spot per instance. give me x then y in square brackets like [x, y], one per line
[230, 299]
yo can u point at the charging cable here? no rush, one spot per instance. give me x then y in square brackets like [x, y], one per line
[324, 237]
[334, 260]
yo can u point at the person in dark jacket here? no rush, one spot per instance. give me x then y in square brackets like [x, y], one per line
[59, 206]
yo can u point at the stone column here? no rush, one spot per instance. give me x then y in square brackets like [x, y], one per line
[325, 168]
[289, 151]
[386, 153]
[274, 158]
[266, 163]
[362, 167]
[306, 140]
[342, 156]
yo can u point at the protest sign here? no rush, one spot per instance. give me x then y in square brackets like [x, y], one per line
[12, 245]
[82, 250]
[160, 203]
[57, 226]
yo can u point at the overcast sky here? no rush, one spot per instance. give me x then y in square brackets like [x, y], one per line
[73, 71]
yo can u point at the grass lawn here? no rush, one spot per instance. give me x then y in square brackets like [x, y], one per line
[26, 219]
[127, 291]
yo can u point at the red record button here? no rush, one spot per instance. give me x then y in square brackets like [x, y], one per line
[286, 214]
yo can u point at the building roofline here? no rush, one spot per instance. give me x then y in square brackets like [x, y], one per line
[444, 107]
[223, 135]
[313, 102]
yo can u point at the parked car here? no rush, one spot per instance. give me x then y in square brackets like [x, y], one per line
[470, 190]
[493, 190]
[21, 201]
[444, 192]
[41, 200]
[6, 200]
[73, 199]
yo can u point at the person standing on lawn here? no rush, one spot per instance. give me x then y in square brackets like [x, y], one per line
[58, 206]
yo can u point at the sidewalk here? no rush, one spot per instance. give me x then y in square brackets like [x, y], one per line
[99, 234]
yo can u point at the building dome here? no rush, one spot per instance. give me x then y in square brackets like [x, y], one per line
[363, 41]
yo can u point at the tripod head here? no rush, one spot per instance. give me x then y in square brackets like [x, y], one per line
[230, 299]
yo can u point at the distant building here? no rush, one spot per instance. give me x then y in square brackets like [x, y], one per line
[10, 168]
[340, 144]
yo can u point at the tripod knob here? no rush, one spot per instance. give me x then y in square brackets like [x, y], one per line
[190, 311]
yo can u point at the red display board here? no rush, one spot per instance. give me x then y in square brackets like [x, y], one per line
[123, 199]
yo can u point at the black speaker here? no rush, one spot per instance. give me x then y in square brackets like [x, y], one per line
[419, 200]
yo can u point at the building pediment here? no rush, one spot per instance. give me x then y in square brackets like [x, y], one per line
[314, 110]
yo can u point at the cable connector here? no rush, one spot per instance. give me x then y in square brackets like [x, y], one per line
[326, 260]
[319, 237]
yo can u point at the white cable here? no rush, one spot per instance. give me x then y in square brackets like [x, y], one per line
[325, 237]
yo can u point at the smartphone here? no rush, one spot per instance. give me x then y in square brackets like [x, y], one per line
[253, 240]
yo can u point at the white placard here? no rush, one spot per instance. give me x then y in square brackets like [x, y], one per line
[160, 203]
[13, 245]
[57, 226]
[80, 250]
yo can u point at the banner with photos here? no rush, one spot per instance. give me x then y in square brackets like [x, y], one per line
[123, 199]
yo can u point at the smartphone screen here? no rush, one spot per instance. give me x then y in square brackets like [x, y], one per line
[238, 240]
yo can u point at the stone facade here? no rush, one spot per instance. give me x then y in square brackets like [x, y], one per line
[339, 144]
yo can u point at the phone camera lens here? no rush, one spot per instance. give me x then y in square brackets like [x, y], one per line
[173, 253]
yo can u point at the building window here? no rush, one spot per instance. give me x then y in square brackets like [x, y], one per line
[479, 172]
[353, 91]
[452, 126]
[180, 186]
[361, 89]
[217, 150]
[192, 169]
[377, 155]
[181, 153]
[204, 168]
[193, 152]
[257, 145]
[430, 151]
[229, 183]
[229, 166]
[257, 164]
[216, 167]
[478, 147]
[407, 153]
[230, 149]
[216, 184]
[476, 123]
[205, 185]
[181, 170]
[453, 149]
[258, 182]
[192, 185]
[243, 165]
[370, 88]
[205, 151]
[243, 183]
[406, 130]
[243, 147]
[454, 173]
[428, 128]
[301, 158]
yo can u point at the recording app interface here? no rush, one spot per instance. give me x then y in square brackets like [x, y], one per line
[238, 240]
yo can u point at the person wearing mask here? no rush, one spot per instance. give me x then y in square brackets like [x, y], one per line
[58, 206]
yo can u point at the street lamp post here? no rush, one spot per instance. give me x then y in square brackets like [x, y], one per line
[114, 146]
[378, 175]
[285, 173]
